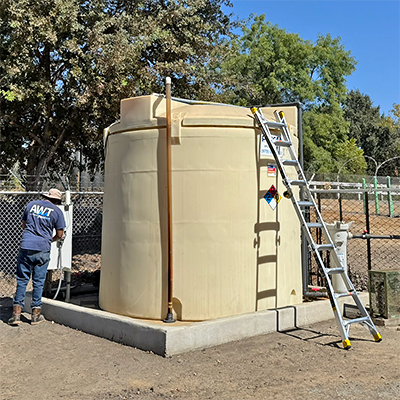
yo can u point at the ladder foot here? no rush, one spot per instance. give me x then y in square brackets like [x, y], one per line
[378, 337]
[346, 344]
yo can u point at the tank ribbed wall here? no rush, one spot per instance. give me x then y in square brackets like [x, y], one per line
[232, 253]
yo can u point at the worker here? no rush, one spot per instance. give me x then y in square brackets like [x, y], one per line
[39, 220]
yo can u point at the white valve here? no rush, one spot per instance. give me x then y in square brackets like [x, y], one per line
[339, 233]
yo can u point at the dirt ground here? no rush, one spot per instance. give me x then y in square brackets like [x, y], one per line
[51, 361]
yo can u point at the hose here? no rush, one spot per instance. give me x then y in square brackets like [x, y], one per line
[61, 241]
[59, 267]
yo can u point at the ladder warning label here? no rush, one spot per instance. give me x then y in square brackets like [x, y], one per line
[264, 148]
[272, 197]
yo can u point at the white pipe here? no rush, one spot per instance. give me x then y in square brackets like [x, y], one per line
[67, 197]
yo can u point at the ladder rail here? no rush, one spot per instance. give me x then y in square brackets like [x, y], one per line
[286, 143]
[286, 134]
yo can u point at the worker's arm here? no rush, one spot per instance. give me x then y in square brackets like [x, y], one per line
[23, 224]
[59, 234]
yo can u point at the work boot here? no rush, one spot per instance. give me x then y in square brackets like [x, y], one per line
[16, 316]
[36, 317]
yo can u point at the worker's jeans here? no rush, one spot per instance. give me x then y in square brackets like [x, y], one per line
[31, 263]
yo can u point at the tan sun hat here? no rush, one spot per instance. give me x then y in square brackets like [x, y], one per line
[53, 194]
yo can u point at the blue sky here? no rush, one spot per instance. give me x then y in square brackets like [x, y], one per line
[370, 29]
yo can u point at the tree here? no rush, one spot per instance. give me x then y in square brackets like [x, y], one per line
[65, 65]
[273, 66]
[392, 121]
[327, 147]
[377, 135]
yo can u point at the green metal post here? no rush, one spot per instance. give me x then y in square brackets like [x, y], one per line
[376, 196]
[364, 185]
[367, 227]
[390, 200]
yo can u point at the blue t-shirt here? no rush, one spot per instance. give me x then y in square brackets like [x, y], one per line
[41, 218]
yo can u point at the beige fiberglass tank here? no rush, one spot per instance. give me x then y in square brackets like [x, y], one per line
[232, 253]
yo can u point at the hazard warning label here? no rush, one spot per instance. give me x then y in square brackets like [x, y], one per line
[272, 197]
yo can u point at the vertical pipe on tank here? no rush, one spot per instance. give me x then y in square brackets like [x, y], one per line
[170, 317]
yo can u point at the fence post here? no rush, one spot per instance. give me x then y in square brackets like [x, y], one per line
[364, 186]
[376, 195]
[390, 200]
[367, 227]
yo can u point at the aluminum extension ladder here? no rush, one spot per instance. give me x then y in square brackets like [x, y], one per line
[299, 206]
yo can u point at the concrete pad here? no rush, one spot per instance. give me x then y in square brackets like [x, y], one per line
[386, 321]
[180, 337]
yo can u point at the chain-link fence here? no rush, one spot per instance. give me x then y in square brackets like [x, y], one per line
[86, 236]
[375, 218]
[376, 213]
[78, 181]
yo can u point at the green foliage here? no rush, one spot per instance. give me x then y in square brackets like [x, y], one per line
[271, 65]
[377, 135]
[8, 95]
[392, 121]
[326, 144]
[350, 158]
[65, 65]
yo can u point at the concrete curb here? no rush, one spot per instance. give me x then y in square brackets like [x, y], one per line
[170, 339]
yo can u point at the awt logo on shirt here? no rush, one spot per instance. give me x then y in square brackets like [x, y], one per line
[41, 211]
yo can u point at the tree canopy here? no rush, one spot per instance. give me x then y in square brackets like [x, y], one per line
[271, 65]
[327, 147]
[65, 64]
[378, 136]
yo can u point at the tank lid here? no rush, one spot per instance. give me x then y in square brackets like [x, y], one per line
[147, 112]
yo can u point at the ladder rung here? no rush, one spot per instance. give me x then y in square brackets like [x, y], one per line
[356, 321]
[335, 270]
[322, 247]
[298, 182]
[292, 163]
[282, 143]
[272, 124]
[347, 294]
[305, 203]
[314, 225]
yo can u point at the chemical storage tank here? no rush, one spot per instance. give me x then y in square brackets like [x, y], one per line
[233, 253]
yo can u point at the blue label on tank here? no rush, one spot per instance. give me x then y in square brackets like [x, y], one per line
[268, 197]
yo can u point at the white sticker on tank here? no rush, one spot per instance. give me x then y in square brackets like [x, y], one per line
[265, 150]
